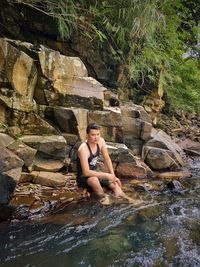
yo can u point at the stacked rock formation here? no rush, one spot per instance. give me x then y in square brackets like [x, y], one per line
[46, 102]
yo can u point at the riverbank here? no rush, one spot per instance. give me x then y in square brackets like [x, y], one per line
[33, 201]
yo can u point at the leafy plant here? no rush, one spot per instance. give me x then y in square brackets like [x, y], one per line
[147, 38]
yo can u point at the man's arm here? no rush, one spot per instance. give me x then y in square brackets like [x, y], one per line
[106, 156]
[107, 160]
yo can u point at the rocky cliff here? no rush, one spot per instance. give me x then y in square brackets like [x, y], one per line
[46, 101]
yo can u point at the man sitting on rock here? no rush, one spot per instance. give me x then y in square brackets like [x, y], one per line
[87, 175]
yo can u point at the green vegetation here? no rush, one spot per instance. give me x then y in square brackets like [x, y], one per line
[147, 38]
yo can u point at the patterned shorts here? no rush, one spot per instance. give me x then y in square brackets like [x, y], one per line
[82, 182]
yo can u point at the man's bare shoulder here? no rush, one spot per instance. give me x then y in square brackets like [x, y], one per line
[102, 142]
[83, 146]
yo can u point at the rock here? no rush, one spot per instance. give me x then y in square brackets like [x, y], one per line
[130, 170]
[8, 160]
[110, 122]
[161, 145]
[71, 139]
[6, 212]
[136, 123]
[189, 145]
[2, 117]
[153, 105]
[14, 131]
[30, 123]
[24, 152]
[120, 153]
[111, 99]
[26, 178]
[72, 120]
[191, 152]
[136, 128]
[69, 78]
[163, 140]
[106, 117]
[134, 111]
[53, 146]
[19, 68]
[48, 165]
[49, 178]
[159, 159]
[14, 173]
[135, 145]
[173, 175]
[58, 68]
[147, 184]
[5, 140]
[7, 187]
[124, 163]
[23, 104]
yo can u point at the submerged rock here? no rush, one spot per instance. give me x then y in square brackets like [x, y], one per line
[7, 187]
[174, 175]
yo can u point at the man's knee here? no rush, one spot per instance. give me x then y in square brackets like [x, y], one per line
[93, 181]
[112, 185]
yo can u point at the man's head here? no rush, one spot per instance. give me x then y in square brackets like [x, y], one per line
[93, 132]
[92, 126]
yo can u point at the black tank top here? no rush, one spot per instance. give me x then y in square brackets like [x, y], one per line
[92, 160]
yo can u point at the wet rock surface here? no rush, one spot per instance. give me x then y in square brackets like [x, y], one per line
[46, 101]
[33, 201]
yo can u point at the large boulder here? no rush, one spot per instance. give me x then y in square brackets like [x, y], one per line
[2, 115]
[190, 147]
[137, 126]
[5, 140]
[18, 69]
[52, 146]
[28, 123]
[45, 178]
[110, 122]
[15, 173]
[161, 152]
[119, 153]
[153, 104]
[159, 159]
[72, 120]
[47, 165]
[24, 152]
[7, 187]
[60, 67]
[135, 111]
[132, 170]
[8, 160]
[125, 164]
[10, 172]
[70, 81]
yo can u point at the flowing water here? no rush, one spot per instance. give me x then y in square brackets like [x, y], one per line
[163, 232]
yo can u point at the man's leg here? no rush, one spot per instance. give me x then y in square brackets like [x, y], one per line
[94, 183]
[117, 190]
[119, 193]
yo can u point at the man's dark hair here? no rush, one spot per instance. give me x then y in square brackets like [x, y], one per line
[92, 126]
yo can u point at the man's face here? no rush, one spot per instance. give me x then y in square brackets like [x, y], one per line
[94, 136]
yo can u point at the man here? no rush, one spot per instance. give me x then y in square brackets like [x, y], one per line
[87, 175]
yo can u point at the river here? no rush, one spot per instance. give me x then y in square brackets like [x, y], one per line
[165, 231]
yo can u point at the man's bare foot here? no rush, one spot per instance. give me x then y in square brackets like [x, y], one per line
[85, 193]
[135, 202]
[138, 202]
[105, 200]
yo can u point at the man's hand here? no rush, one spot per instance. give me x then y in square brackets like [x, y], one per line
[118, 182]
[114, 179]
